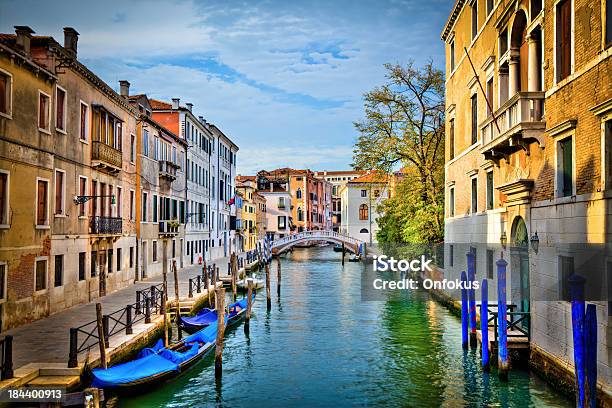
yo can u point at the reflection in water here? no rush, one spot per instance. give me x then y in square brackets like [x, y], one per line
[326, 347]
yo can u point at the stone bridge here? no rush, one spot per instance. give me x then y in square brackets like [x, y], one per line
[283, 244]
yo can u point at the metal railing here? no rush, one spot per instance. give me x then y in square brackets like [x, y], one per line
[314, 235]
[85, 336]
[107, 154]
[517, 322]
[6, 358]
[168, 227]
[106, 225]
[522, 107]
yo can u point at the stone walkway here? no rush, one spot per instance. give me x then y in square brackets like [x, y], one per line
[47, 340]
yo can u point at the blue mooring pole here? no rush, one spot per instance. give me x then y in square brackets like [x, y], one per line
[472, 298]
[590, 332]
[484, 324]
[576, 290]
[502, 322]
[464, 312]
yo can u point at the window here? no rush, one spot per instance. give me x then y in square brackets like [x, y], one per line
[452, 55]
[59, 192]
[40, 279]
[607, 156]
[364, 193]
[565, 171]
[490, 263]
[3, 281]
[42, 194]
[4, 197]
[81, 266]
[608, 38]
[94, 263]
[156, 147]
[44, 107]
[5, 93]
[82, 192]
[564, 39]
[132, 148]
[131, 257]
[300, 214]
[474, 18]
[489, 96]
[60, 109]
[154, 251]
[566, 269]
[489, 6]
[282, 222]
[490, 190]
[363, 212]
[145, 143]
[132, 205]
[281, 202]
[84, 122]
[154, 208]
[145, 204]
[451, 136]
[119, 202]
[474, 207]
[109, 262]
[376, 193]
[59, 271]
[363, 231]
[451, 203]
[474, 105]
[173, 248]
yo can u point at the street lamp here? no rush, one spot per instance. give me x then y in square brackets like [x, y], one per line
[535, 242]
[82, 199]
[503, 239]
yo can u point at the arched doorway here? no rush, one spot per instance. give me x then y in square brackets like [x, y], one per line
[519, 254]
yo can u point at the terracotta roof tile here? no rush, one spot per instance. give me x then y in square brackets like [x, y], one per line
[371, 177]
[157, 104]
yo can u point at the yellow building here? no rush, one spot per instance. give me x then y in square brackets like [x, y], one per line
[246, 186]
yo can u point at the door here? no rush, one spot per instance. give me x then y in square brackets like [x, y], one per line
[520, 258]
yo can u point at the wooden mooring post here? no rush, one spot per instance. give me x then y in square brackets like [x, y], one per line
[484, 325]
[220, 332]
[176, 297]
[278, 276]
[247, 319]
[268, 300]
[234, 264]
[472, 298]
[343, 253]
[207, 284]
[502, 323]
[101, 336]
[464, 312]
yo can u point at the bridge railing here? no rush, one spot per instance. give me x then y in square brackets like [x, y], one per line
[314, 234]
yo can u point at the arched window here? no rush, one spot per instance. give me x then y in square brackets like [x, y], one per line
[300, 214]
[363, 231]
[363, 212]
[298, 193]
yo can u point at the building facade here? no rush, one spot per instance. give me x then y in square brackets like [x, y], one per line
[337, 179]
[360, 199]
[66, 149]
[246, 188]
[528, 156]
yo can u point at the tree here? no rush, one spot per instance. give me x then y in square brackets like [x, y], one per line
[404, 127]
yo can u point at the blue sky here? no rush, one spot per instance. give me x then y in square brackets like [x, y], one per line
[284, 79]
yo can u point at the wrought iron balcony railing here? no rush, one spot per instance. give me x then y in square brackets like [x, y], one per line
[106, 225]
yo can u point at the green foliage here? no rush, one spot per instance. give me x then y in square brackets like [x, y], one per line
[404, 126]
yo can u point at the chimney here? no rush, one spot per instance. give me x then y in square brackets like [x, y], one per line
[124, 88]
[175, 103]
[189, 106]
[201, 118]
[71, 37]
[24, 35]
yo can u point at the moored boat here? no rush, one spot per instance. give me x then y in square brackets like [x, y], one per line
[207, 316]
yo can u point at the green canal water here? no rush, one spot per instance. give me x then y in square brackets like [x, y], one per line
[320, 345]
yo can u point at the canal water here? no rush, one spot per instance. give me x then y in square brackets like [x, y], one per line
[321, 345]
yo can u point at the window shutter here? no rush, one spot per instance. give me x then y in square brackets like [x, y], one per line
[3, 198]
[41, 207]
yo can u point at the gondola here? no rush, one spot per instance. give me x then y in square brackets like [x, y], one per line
[156, 364]
[337, 248]
[207, 316]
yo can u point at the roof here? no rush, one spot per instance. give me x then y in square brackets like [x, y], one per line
[242, 179]
[157, 104]
[337, 172]
[371, 177]
[450, 23]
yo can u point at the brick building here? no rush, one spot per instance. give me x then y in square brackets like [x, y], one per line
[529, 156]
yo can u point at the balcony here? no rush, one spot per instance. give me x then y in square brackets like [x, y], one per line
[106, 158]
[105, 225]
[168, 228]
[520, 119]
[167, 169]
